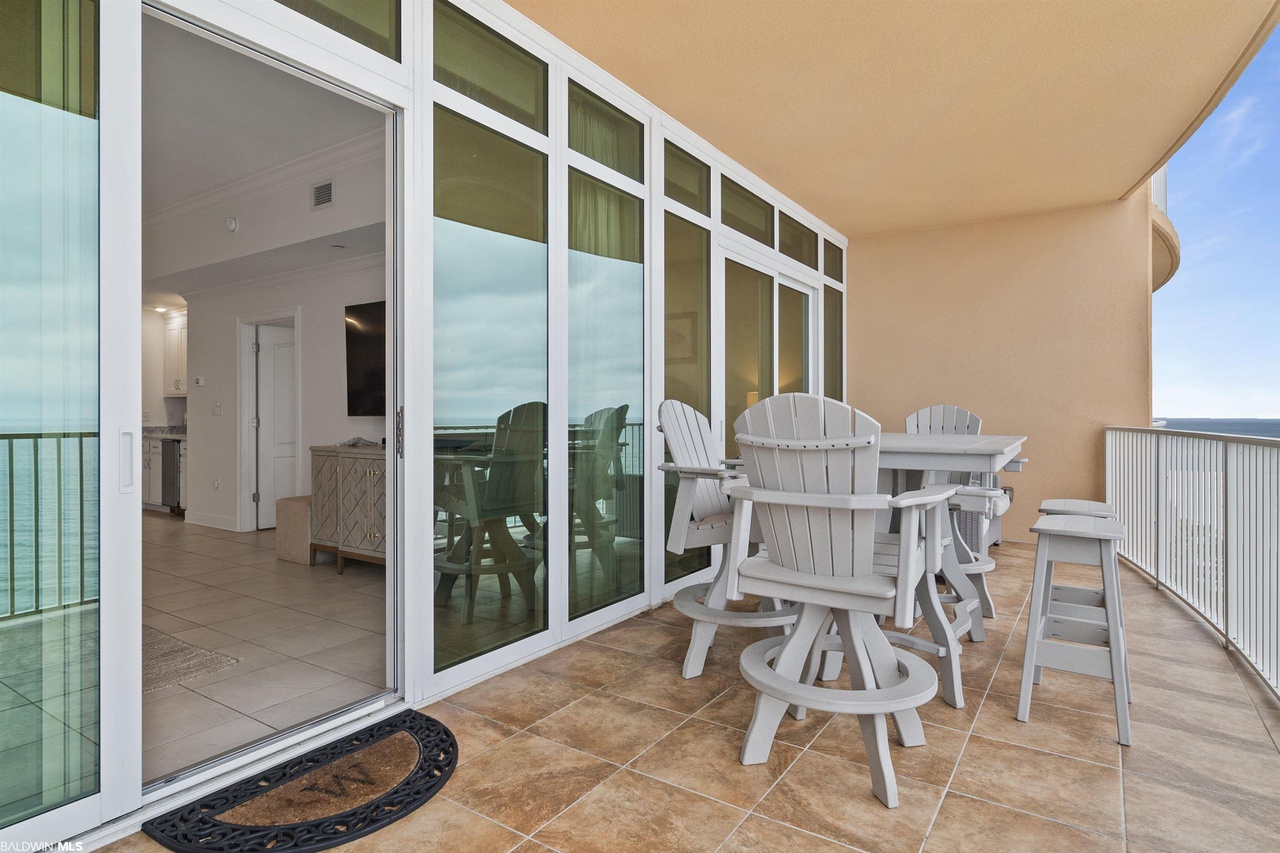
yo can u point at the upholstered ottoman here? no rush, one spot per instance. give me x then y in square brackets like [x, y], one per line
[293, 529]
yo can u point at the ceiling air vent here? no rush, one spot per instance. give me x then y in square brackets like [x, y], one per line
[322, 195]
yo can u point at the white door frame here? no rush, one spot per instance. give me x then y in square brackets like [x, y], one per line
[246, 440]
[120, 436]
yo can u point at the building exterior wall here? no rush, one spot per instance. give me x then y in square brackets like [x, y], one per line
[1040, 324]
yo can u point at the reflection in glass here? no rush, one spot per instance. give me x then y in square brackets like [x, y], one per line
[605, 133]
[490, 326]
[744, 211]
[687, 258]
[688, 179]
[833, 343]
[372, 23]
[748, 345]
[832, 261]
[606, 394]
[793, 341]
[796, 241]
[472, 59]
[49, 504]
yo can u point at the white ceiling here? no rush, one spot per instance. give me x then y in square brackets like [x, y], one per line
[211, 115]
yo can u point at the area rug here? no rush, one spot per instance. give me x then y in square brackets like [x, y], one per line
[167, 661]
[330, 796]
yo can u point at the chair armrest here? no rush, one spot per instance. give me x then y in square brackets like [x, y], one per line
[695, 471]
[1015, 464]
[733, 463]
[979, 492]
[739, 490]
[923, 497]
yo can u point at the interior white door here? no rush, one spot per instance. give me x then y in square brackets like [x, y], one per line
[277, 420]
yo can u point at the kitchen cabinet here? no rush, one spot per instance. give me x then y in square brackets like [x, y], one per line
[175, 356]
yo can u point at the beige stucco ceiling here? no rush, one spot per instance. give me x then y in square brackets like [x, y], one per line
[885, 115]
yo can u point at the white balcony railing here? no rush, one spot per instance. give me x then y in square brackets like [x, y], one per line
[1160, 189]
[1203, 519]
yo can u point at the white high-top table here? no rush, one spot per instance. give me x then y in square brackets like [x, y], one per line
[901, 453]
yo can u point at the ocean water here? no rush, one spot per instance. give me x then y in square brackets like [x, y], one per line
[1262, 427]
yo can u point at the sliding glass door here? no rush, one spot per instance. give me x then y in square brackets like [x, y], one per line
[49, 415]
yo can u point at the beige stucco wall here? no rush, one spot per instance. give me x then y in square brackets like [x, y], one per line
[1040, 324]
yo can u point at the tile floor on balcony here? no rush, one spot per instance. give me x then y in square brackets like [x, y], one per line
[601, 746]
[308, 640]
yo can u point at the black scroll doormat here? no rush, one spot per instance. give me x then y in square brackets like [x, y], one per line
[331, 795]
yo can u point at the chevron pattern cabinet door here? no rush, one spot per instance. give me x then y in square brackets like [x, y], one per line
[376, 496]
[324, 498]
[355, 504]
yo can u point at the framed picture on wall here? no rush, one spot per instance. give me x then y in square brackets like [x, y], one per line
[682, 338]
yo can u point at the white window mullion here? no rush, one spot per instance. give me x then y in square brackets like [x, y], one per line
[603, 173]
[559, 518]
[490, 118]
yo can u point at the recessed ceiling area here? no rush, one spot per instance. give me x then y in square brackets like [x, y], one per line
[881, 115]
[212, 117]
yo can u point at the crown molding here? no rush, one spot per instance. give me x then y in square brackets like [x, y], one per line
[319, 272]
[357, 149]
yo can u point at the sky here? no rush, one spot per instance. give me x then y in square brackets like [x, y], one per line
[1216, 323]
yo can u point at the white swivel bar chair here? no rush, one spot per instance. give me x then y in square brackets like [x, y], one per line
[703, 516]
[811, 469]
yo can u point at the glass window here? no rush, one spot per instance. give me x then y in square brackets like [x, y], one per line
[744, 211]
[472, 59]
[793, 341]
[605, 133]
[796, 241]
[832, 261]
[49, 508]
[606, 395]
[688, 179]
[687, 288]
[748, 348]
[833, 343]
[490, 328]
[372, 23]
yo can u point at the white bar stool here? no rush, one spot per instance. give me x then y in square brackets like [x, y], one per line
[1076, 629]
[1072, 506]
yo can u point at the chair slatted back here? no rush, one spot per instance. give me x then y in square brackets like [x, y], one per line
[944, 420]
[690, 443]
[834, 543]
[516, 475]
[597, 464]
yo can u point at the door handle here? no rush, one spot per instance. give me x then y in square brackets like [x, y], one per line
[127, 481]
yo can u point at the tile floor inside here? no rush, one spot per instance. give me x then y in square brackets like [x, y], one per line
[308, 640]
[602, 746]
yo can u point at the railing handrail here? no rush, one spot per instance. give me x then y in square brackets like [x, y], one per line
[1186, 433]
[1203, 513]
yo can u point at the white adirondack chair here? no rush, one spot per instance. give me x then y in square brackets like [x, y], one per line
[812, 465]
[703, 516]
[596, 461]
[975, 495]
[485, 490]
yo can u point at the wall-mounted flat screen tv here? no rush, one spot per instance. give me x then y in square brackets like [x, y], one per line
[367, 360]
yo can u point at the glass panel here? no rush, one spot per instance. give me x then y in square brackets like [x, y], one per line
[606, 394]
[833, 343]
[373, 23]
[688, 179]
[748, 346]
[796, 241]
[688, 350]
[605, 133]
[744, 211]
[793, 341]
[472, 59]
[490, 389]
[48, 407]
[832, 261]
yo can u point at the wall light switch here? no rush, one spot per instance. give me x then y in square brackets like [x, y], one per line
[217, 410]
[146, 417]
[199, 381]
